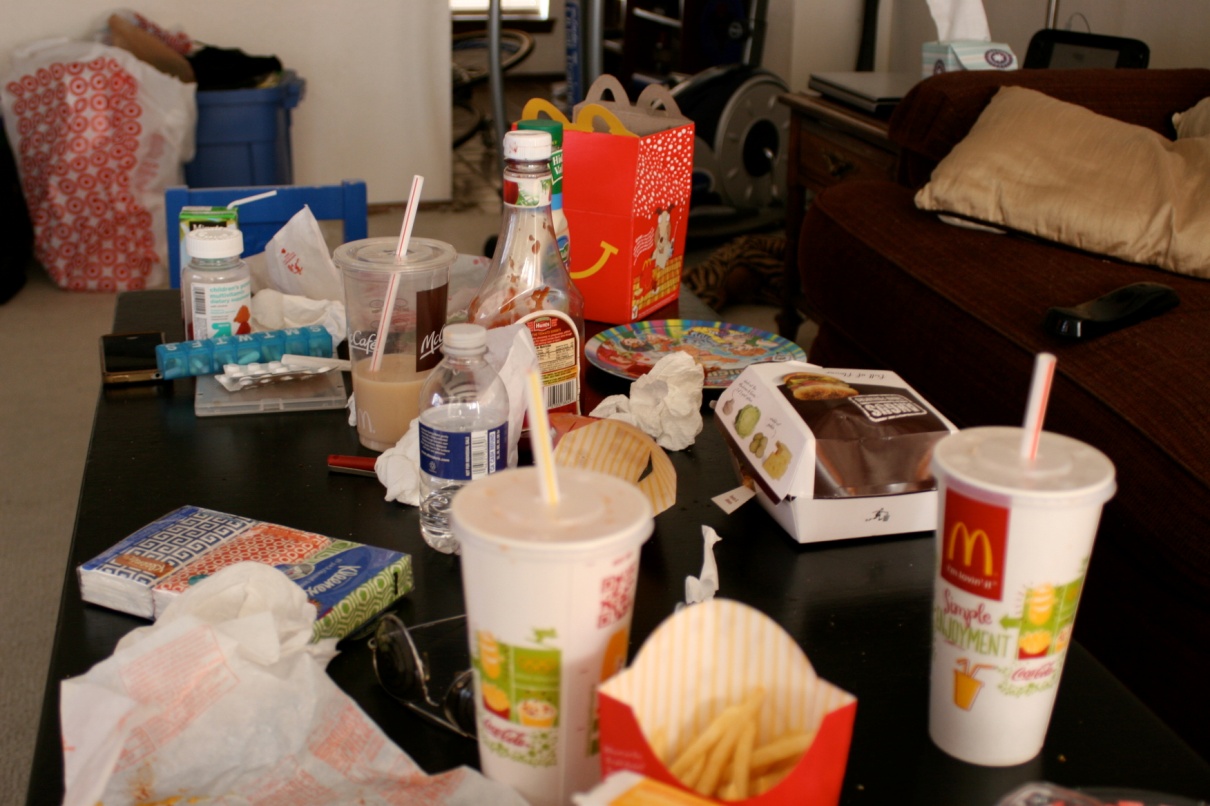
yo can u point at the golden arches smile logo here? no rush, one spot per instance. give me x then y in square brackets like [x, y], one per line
[969, 541]
[608, 250]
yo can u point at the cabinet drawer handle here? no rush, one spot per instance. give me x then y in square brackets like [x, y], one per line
[837, 166]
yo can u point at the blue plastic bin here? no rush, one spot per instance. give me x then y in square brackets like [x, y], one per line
[243, 136]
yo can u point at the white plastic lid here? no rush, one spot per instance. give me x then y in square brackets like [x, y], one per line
[214, 243]
[527, 145]
[464, 338]
[985, 463]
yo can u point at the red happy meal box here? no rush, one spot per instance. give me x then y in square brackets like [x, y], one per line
[627, 177]
[702, 661]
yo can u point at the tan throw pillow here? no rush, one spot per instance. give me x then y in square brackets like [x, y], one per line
[1193, 122]
[1041, 166]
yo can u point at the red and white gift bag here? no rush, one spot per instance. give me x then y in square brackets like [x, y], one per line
[97, 135]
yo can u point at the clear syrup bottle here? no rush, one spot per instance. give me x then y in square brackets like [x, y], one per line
[527, 280]
[216, 286]
[463, 428]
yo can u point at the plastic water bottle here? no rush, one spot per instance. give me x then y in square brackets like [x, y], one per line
[216, 286]
[463, 428]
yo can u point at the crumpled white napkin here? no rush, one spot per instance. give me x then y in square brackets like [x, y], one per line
[273, 310]
[225, 698]
[511, 352]
[666, 403]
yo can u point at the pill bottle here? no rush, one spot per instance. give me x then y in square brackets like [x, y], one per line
[216, 287]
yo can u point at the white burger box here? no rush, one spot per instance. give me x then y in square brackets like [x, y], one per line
[865, 473]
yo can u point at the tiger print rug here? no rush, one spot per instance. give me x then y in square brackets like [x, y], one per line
[749, 269]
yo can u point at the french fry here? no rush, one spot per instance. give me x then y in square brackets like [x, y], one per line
[694, 773]
[700, 746]
[721, 753]
[766, 781]
[741, 764]
[659, 743]
[791, 745]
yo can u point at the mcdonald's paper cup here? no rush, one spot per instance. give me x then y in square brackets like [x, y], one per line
[549, 599]
[1014, 539]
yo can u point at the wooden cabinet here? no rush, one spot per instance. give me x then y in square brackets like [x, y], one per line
[829, 143]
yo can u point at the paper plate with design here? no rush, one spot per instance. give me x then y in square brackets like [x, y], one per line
[722, 349]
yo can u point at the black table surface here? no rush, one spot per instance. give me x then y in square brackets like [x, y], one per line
[860, 608]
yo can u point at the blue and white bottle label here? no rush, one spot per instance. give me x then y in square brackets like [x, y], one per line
[463, 455]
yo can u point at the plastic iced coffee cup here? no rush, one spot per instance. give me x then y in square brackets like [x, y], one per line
[549, 598]
[387, 389]
[1014, 538]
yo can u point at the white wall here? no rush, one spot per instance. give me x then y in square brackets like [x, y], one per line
[377, 101]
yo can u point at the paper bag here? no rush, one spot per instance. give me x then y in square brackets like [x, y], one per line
[626, 183]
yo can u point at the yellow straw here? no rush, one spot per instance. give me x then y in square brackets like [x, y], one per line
[539, 438]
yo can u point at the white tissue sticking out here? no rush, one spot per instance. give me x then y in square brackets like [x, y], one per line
[398, 468]
[273, 310]
[959, 19]
[666, 403]
[298, 262]
[703, 588]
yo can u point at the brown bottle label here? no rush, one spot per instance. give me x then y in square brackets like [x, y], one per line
[430, 321]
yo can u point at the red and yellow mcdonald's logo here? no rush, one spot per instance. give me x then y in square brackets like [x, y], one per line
[973, 545]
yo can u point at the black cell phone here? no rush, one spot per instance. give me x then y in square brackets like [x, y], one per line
[130, 357]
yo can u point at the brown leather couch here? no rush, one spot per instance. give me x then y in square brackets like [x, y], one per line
[959, 314]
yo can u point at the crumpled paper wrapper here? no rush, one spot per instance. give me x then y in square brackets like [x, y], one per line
[511, 351]
[706, 657]
[666, 403]
[620, 449]
[224, 699]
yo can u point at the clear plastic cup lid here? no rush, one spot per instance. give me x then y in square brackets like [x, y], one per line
[378, 254]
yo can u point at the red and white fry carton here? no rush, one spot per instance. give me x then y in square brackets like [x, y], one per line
[704, 658]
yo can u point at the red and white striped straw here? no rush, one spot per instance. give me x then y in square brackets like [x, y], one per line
[401, 251]
[1035, 409]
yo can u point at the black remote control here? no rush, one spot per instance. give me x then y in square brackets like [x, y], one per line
[1117, 309]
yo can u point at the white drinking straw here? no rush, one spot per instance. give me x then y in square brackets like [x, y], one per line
[248, 199]
[539, 438]
[401, 251]
[1035, 409]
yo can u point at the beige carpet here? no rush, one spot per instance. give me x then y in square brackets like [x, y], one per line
[49, 343]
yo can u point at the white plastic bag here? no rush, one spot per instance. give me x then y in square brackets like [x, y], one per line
[298, 261]
[97, 136]
[225, 699]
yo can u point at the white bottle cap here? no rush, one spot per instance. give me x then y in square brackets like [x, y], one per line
[214, 243]
[527, 145]
[463, 338]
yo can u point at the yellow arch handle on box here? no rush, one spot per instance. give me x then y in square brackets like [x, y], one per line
[585, 118]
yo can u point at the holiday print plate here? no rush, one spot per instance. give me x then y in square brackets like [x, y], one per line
[723, 350]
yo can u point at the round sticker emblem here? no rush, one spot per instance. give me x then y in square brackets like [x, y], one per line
[999, 59]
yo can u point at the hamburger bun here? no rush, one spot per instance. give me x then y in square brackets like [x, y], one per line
[814, 386]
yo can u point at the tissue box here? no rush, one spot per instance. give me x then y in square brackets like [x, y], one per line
[348, 582]
[966, 54]
[833, 453]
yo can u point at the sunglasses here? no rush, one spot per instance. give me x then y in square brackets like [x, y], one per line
[427, 668]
